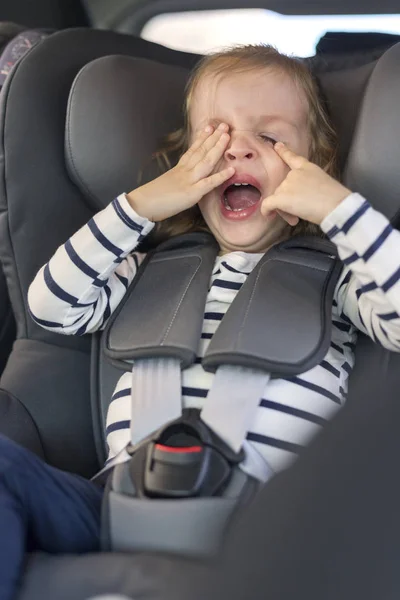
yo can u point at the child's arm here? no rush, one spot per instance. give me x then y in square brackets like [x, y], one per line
[368, 293]
[78, 289]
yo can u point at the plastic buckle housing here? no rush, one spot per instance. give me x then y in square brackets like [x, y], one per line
[183, 459]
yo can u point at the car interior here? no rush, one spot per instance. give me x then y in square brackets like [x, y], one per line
[80, 113]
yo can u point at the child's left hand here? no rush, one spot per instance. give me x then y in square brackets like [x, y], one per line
[306, 193]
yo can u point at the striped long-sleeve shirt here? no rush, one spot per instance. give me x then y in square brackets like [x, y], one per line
[76, 292]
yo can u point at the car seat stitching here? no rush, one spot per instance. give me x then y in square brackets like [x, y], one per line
[180, 302]
[68, 136]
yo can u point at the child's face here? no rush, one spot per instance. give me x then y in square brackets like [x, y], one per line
[257, 106]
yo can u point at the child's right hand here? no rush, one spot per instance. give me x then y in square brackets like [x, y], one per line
[185, 184]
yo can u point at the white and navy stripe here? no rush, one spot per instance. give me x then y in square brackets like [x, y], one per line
[369, 293]
[87, 277]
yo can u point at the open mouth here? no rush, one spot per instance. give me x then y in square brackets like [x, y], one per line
[240, 196]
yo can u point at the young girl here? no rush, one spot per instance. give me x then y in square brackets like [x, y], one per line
[256, 159]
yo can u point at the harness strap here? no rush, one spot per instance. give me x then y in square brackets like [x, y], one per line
[156, 395]
[232, 402]
[279, 324]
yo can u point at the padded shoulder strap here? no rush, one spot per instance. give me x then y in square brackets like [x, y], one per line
[280, 321]
[161, 315]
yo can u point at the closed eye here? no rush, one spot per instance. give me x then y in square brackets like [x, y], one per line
[267, 138]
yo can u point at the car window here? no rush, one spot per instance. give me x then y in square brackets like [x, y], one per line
[204, 31]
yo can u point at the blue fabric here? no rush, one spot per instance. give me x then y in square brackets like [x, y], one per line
[42, 508]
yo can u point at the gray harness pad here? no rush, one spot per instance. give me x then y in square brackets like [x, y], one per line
[280, 320]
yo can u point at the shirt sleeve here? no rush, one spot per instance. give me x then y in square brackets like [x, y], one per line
[368, 292]
[82, 284]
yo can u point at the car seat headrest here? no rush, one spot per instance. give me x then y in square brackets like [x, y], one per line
[119, 109]
[340, 42]
[373, 162]
[344, 91]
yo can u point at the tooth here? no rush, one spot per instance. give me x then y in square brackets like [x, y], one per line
[237, 184]
[226, 204]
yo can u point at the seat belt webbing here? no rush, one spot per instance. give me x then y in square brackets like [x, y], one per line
[155, 400]
[156, 395]
[232, 401]
[229, 408]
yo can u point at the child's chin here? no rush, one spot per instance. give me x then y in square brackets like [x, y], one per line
[251, 240]
[244, 243]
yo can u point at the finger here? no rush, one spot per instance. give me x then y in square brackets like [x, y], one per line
[201, 137]
[292, 220]
[210, 183]
[210, 142]
[268, 205]
[293, 160]
[210, 161]
[269, 209]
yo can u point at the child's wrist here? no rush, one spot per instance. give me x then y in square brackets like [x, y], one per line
[138, 204]
[334, 201]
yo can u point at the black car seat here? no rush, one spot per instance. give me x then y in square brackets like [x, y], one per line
[7, 323]
[48, 376]
[142, 576]
[351, 42]
[15, 41]
[33, 114]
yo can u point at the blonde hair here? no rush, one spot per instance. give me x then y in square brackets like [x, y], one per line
[235, 60]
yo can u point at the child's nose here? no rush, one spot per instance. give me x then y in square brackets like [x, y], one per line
[239, 148]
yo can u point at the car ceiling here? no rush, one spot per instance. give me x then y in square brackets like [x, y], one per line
[131, 15]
